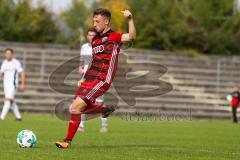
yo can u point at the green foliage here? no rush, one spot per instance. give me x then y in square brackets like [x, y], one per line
[164, 26]
[20, 22]
[201, 25]
[117, 21]
[77, 20]
[76, 16]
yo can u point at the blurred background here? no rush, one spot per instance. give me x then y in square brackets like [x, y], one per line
[196, 40]
[210, 27]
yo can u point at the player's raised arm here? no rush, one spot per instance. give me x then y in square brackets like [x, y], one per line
[131, 35]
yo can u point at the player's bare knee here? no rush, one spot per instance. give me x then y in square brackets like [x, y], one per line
[73, 109]
[79, 105]
[76, 109]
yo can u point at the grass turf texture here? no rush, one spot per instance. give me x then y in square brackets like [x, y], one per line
[125, 140]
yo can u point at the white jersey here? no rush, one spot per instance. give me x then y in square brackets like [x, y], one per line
[86, 56]
[10, 70]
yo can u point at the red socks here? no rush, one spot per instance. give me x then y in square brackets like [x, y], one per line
[76, 119]
[73, 126]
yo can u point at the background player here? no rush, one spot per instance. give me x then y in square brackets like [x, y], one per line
[85, 60]
[235, 99]
[98, 78]
[10, 69]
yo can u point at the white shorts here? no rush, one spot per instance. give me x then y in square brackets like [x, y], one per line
[10, 92]
[100, 99]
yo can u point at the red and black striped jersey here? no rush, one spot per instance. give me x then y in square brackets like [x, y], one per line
[106, 48]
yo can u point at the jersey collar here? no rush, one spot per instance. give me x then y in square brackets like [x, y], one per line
[103, 35]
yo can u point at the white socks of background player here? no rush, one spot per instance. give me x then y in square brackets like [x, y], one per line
[16, 111]
[82, 124]
[5, 109]
[104, 122]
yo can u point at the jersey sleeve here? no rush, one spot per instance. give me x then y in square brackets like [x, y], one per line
[81, 50]
[118, 37]
[81, 54]
[19, 67]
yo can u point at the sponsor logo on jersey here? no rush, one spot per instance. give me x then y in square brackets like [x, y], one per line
[98, 49]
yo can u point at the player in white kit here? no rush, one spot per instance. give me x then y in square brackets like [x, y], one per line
[10, 69]
[85, 60]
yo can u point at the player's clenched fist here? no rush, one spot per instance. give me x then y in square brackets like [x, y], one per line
[127, 14]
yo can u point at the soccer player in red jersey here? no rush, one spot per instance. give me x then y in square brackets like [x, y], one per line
[98, 78]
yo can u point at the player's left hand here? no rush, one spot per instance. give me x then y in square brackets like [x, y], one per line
[127, 14]
[22, 87]
[80, 82]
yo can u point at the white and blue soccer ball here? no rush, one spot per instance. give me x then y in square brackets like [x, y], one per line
[26, 139]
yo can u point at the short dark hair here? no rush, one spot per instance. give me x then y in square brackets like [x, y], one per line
[103, 12]
[92, 30]
[9, 49]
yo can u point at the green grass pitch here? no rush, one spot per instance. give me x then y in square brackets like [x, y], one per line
[189, 140]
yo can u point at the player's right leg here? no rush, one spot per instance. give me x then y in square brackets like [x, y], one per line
[88, 91]
[6, 107]
[9, 94]
[76, 108]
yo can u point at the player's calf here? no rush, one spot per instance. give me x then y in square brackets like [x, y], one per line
[76, 108]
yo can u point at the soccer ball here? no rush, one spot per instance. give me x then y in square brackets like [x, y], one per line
[26, 139]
